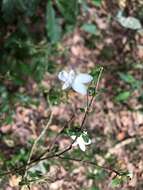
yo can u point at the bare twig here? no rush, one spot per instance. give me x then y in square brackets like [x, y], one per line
[92, 163]
[36, 142]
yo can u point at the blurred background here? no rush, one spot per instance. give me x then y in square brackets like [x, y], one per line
[38, 39]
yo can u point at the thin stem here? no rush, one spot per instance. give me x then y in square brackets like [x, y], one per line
[36, 142]
[91, 163]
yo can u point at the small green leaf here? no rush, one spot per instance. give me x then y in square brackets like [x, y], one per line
[97, 2]
[54, 96]
[127, 77]
[94, 188]
[89, 28]
[95, 73]
[85, 137]
[69, 10]
[82, 110]
[116, 182]
[123, 96]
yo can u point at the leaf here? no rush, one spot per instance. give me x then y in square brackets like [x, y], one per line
[52, 26]
[129, 22]
[127, 77]
[54, 96]
[95, 73]
[94, 188]
[85, 137]
[15, 180]
[123, 96]
[89, 28]
[116, 182]
[97, 2]
[69, 10]
[82, 110]
[135, 84]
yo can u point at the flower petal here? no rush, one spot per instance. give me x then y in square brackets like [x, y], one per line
[81, 143]
[84, 78]
[63, 76]
[66, 85]
[79, 87]
[75, 143]
[72, 73]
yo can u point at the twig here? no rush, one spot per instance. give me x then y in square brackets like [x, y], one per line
[92, 163]
[36, 142]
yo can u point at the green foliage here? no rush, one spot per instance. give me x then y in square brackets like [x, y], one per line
[97, 2]
[130, 84]
[97, 175]
[52, 25]
[119, 180]
[69, 10]
[116, 182]
[10, 9]
[85, 137]
[127, 78]
[123, 96]
[96, 72]
[54, 96]
[24, 50]
[89, 28]
[94, 188]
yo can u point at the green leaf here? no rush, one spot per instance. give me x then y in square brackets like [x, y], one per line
[82, 110]
[128, 22]
[54, 96]
[69, 10]
[52, 26]
[127, 77]
[89, 28]
[85, 137]
[123, 96]
[94, 188]
[116, 182]
[97, 2]
[95, 73]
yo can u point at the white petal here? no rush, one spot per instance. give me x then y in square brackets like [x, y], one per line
[75, 143]
[72, 73]
[79, 87]
[66, 85]
[84, 78]
[81, 143]
[73, 137]
[63, 76]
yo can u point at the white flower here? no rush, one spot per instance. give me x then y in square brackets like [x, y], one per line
[75, 81]
[80, 141]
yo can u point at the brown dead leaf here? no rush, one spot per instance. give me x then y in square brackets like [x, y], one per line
[14, 180]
